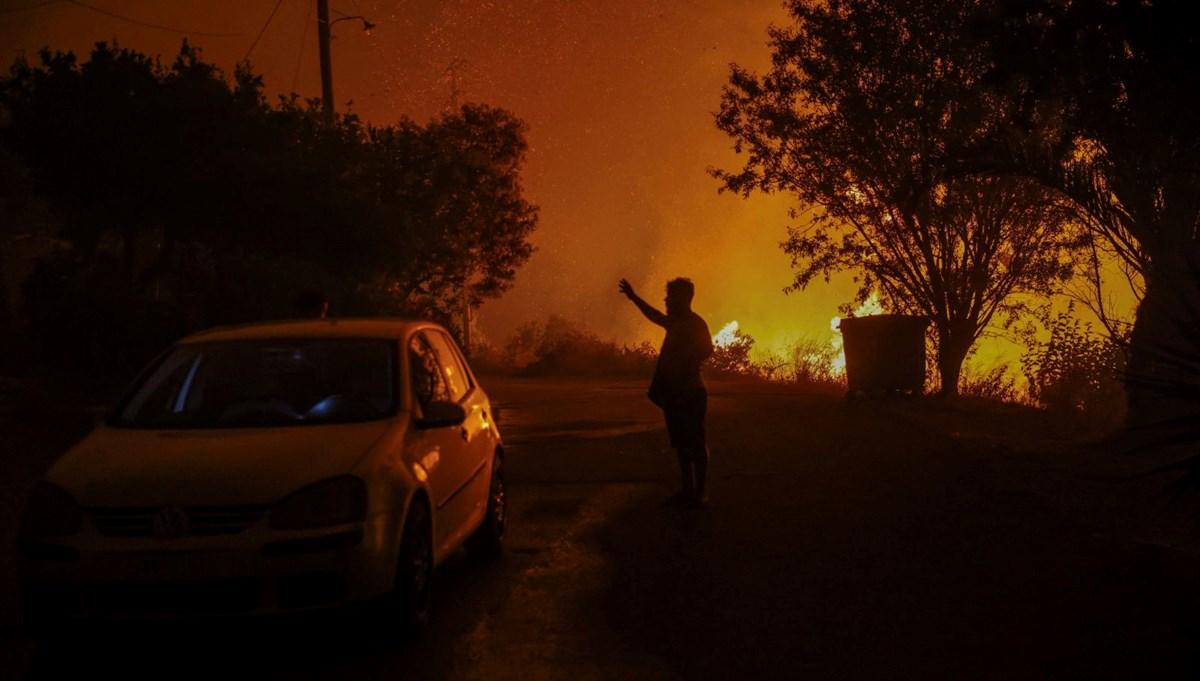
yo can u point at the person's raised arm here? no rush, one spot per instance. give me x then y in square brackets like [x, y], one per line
[647, 309]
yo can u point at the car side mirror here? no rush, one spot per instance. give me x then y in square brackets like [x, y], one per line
[439, 414]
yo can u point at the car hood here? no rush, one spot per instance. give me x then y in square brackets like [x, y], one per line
[128, 467]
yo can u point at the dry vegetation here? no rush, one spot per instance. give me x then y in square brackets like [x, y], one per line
[1074, 373]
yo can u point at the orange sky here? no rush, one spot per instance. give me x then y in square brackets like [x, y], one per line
[618, 95]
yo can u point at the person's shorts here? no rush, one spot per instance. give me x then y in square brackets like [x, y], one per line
[685, 419]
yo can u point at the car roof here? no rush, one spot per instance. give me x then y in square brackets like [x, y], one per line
[312, 328]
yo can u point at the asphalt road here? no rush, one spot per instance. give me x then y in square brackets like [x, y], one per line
[889, 540]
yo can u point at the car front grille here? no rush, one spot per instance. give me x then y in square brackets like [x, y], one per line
[200, 520]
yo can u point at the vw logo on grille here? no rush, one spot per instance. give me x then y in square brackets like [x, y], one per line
[171, 522]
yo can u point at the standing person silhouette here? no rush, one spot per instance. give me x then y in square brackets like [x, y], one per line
[677, 387]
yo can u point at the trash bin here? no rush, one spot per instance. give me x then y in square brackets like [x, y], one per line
[885, 354]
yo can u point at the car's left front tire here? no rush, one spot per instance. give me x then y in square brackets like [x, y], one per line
[488, 539]
[409, 603]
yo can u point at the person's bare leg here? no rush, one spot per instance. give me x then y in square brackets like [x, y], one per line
[687, 477]
[700, 464]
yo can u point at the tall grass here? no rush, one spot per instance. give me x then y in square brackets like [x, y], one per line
[1074, 372]
[562, 347]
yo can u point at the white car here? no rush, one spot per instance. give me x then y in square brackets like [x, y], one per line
[271, 468]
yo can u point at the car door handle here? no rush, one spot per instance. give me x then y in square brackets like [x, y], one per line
[465, 435]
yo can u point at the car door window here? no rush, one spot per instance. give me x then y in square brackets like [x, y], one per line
[428, 381]
[460, 362]
[452, 369]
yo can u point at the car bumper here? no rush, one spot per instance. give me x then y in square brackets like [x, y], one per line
[140, 580]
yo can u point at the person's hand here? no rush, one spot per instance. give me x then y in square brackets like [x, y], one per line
[626, 289]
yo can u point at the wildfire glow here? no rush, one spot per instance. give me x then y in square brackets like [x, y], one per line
[869, 307]
[727, 335]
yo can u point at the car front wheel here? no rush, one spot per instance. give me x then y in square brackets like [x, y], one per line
[413, 590]
[488, 540]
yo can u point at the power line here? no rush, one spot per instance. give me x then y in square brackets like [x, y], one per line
[303, 42]
[7, 10]
[348, 16]
[263, 30]
[147, 24]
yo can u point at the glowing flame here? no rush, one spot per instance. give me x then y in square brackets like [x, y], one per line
[869, 307]
[727, 335]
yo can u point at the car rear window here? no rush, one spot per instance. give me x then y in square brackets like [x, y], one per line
[265, 383]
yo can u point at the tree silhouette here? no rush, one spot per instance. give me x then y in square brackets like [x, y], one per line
[864, 116]
[179, 186]
[453, 191]
[1106, 104]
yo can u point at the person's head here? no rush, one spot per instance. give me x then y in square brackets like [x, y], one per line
[311, 305]
[680, 292]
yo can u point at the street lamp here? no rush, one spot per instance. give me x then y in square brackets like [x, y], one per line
[323, 27]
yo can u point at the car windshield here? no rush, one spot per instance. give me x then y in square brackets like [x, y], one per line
[265, 383]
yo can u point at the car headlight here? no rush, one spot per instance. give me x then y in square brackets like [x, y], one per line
[51, 512]
[330, 502]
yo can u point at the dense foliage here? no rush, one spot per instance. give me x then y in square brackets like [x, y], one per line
[1106, 105]
[185, 195]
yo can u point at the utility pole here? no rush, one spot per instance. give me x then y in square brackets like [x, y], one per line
[466, 309]
[468, 321]
[326, 65]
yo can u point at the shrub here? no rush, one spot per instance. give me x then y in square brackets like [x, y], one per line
[86, 317]
[486, 358]
[810, 361]
[563, 347]
[1077, 371]
[733, 358]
